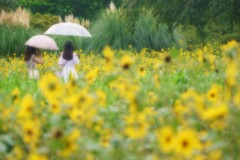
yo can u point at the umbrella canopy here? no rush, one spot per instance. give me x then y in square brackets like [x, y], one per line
[43, 42]
[68, 29]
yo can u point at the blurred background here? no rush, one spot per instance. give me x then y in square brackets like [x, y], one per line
[122, 24]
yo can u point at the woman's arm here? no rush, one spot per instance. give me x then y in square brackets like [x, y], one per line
[38, 60]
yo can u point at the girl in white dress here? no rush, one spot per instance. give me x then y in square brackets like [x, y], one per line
[32, 57]
[67, 61]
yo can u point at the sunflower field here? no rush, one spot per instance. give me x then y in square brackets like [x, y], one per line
[171, 104]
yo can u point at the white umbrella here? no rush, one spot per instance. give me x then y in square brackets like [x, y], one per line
[68, 29]
[43, 42]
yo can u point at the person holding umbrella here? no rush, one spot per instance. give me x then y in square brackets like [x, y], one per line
[68, 59]
[33, 57]
[32, 54]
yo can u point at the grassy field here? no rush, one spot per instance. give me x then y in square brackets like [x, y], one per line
[171, 104]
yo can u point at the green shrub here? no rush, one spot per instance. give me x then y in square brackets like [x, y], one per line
[221, 32]
[149, 34]
[8, 4]
[43, 21]
[12, 39]
[144, 30]
[119, 31]
[111, 28]
[189, 34]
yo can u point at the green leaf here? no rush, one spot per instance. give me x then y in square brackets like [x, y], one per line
[3, 148]
[57, 144]
[173, 52]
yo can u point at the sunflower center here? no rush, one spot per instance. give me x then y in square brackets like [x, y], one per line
[54, 106]
[108, 60]
[220, 116]
[126, 66]
[73, 83]
[51, 86]
[29, 132]
[90, 78]
[82, 99]
[168, 139]
[212, 95]
[58, 134]
[29, 108]
[204, 60]
[185, 144]
[168, 59]
[14, 97]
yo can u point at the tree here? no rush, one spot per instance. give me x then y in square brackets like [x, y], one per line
[7, 4]
[198, 13]
[79, 8]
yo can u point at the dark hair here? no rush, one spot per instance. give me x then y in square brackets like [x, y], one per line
[68, 50]
[29, 52]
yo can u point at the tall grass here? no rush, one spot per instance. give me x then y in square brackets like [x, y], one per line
[71, 18]
[19, 17]
[12, 39]
[116, 29]
[144, 31]
[149, 34]
[111, 28]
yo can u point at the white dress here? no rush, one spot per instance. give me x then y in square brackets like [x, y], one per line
[33, 73]
[68, 67]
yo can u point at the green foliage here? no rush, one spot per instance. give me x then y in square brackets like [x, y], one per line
[144, 29]
[116, 30]
[83, 8]
[7, 4]
[183, 83]
[45, 6]
[12, 39]
[110, 29]
[220, 15]
[153, 24]
[149, 34]
[221, 32]
[43, 21]
[190, 34]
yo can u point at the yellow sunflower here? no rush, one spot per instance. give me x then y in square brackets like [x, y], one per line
[136, 126]
[141, 71]
[108, 54]
[187, 142]
[55, 106]
[26, 107]
[51, 86]
[215, 113]
[165, 137]
[126, 62]
[31, 132]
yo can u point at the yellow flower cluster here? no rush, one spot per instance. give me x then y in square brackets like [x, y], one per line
[125, 105]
